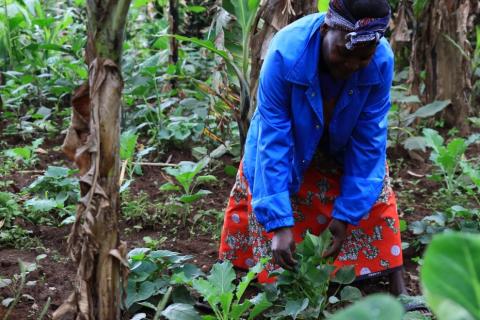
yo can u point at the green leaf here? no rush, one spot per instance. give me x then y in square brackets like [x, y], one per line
[221, 276]
[196, 9]
[230, 171]
[57, 172]
[169, 187]
[42, 205]
[431, 109]
[128, 141]
[206, 179]
[433, 139]
[261, 303]
[374, 307]
[146, 290]
[345, 275]
[239, 309]
[226, 299]
[450, 276]
[194, 197]
[294, 307]
[350, 293]
[180, 311]
[415, 143]
[138, 254]
[205, 288]
[19, 153]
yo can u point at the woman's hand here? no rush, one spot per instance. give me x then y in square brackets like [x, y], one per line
[339, 232]
[283, 247]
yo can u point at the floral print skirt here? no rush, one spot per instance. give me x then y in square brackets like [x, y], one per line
[374, 246]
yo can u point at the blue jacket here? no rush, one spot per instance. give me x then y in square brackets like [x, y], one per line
[288, 123]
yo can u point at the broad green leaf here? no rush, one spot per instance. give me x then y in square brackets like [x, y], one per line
[169, 187]
[146, 290]
[230, 170]
[243, 285]
[138, 254]
[433, 139]
[19, 153]
[194, 197]
[261, 303]
[450, 274]
[180, 311]
[431, 109]
[375, 307]
[350, 293]
[42, 205]
[128, 141]
[449, 157]
[239, 309]
[205, 288]
[226, 299]
[345, 275]
[58, 172]
[221, 276]
[206, 179]
[294, 307]
[415, 143]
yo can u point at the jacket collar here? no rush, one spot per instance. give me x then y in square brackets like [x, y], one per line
[305, 69]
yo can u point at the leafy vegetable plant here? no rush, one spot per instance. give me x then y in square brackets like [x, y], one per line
[151, 276]
[186, 178]
[302, 293]
[450, 277]
[224, 297]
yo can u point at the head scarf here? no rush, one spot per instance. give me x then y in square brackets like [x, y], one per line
[359, 31]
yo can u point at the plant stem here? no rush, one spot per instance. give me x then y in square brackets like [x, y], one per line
[161, 305]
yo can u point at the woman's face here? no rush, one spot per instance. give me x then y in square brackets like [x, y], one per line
[341, 62]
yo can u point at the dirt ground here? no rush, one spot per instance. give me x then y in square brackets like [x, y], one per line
[55, 275]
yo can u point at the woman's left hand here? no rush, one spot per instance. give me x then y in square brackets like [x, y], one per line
[338, 229]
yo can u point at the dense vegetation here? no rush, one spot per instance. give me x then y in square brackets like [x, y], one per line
[181, 132]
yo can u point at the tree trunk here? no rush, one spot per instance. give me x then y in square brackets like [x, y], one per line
[93, 143]
[441, 48]
[272, 16]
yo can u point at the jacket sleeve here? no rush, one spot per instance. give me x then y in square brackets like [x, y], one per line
[273, 159]
[365, 156]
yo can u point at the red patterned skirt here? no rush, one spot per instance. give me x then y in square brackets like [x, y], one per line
[374, 246]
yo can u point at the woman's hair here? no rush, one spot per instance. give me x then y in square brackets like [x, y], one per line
[367, 8]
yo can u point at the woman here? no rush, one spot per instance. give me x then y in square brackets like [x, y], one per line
[315, 155]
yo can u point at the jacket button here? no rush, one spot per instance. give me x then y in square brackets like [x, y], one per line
[350, 92]
[317, 126]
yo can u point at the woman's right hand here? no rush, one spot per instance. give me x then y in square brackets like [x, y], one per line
[283, 247]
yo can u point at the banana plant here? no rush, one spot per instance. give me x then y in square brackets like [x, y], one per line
[244, 12]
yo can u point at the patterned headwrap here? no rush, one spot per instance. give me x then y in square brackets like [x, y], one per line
[359, 31]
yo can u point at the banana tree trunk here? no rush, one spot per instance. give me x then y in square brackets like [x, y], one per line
[275, 15]
[441, 48]
[92, 142]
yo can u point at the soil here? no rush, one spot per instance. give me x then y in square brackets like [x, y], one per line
[56, 272]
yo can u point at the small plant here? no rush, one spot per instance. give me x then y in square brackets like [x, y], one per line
[26, 154]
[302, 293]
[151, 277]
[186, 180]
[455, 218]
[224, 297]
[57, 190]
[128, 144]
[16, 285]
